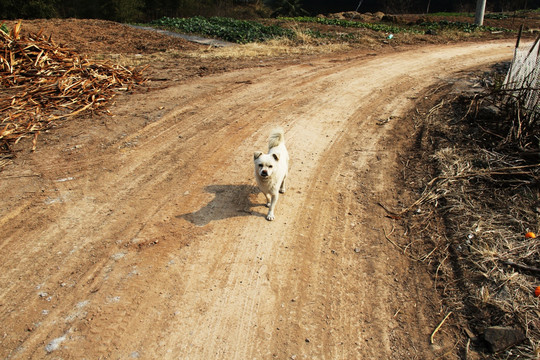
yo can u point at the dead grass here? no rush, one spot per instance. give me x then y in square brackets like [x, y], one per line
[484, 200]
[272, 48]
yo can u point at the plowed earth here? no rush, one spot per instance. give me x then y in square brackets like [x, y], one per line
[143, 235]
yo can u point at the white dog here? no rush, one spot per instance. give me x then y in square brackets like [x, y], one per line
[271, 170]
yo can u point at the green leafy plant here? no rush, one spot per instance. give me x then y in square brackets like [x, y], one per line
[417, 29]
[346, 23]
[239, 31]
[458, 25]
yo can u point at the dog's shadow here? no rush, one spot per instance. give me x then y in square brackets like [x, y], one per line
[229, 201]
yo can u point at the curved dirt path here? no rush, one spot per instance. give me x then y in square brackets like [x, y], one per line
[124, 241]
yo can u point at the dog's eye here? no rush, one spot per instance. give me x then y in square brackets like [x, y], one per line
[270, 166]
[260, 165]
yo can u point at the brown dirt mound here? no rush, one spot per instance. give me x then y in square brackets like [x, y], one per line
[93, 37]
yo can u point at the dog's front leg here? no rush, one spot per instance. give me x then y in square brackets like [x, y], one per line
[268, 198]
[273, 202]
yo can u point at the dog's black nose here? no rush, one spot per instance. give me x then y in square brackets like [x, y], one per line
[264, 173]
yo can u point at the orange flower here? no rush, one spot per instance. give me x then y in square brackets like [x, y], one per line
[530, 235]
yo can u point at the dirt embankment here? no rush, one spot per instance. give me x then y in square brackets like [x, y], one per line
[142, 235]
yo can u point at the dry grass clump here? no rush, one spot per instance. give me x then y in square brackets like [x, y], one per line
[303, 43]
[269, 49]
[488, 211]
[485, 190]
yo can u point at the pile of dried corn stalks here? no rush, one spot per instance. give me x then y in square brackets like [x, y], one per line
[42, 82]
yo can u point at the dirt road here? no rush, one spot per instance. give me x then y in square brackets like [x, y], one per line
[143, 236]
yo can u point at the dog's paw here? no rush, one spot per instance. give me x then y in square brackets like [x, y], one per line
[270, 217]
[282, 191]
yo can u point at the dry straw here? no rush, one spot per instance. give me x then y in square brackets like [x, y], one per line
[474, 212]
[44, 82]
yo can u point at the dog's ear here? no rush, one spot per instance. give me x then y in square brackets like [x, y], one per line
[257, 154]
[276, 157]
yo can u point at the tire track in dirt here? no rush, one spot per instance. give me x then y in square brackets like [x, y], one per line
[158, 246]
[337, 289]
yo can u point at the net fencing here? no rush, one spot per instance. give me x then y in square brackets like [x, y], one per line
[522, 82]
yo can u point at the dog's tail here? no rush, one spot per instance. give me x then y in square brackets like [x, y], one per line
[276, 138]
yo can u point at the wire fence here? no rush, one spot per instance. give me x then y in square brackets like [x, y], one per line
[522, 83]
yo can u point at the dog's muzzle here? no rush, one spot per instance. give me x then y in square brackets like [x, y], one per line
[264, 173]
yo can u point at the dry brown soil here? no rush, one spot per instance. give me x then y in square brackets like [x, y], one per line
[142, 235]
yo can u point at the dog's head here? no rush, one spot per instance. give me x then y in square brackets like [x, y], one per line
[265, 164]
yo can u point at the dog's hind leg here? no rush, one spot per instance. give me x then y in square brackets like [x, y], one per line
[283, 188]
